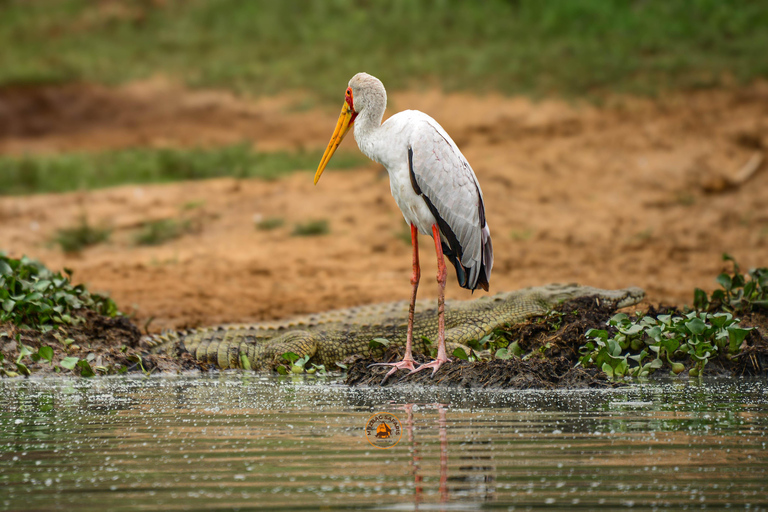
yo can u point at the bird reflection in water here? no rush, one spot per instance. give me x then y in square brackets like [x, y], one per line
[470, 481]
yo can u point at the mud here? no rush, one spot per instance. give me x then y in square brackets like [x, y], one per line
[553, 342]
[109, 345]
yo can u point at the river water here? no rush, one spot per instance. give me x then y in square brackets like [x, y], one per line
[234, 441]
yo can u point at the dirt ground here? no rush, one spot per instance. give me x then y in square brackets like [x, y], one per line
[633, 192]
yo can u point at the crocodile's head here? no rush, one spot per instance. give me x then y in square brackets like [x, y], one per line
[558, 293]
[553, 294]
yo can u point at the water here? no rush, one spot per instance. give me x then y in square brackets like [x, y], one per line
[234, 441]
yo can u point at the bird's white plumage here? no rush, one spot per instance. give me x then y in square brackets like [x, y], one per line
[442, 174]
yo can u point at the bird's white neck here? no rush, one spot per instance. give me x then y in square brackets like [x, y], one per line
[368, 127]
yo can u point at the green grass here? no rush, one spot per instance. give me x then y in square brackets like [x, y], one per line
[76, 238]
[158, 232]
[312, 228]
[570, 47]
[270, 223]
[59, 173]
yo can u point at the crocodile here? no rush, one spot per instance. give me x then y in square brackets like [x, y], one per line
[329, 338]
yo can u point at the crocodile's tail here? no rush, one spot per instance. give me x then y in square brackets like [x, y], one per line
[163, 343]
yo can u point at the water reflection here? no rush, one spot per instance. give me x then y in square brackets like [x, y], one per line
[242, 441]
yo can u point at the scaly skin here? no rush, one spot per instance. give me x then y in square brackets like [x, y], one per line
[333, 336]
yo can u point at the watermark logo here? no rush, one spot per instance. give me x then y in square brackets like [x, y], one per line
[383, 430]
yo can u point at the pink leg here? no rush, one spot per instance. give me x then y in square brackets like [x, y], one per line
[407, 362]
[442, 274]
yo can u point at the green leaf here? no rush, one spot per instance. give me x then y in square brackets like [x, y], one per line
[503, 353]
[378, 342]
[597, 333]
[696, 326]
[618, 318]
[5, 269]
[700, 300]
[69, 363]
[281, 370]
[720, 320]
[460, 353]
[24, 351]
[632, 330]
[23, 369]
[736, 335]
[41, 285]
[608, 370]
[85, 368]
[621, 368]
[725, 281]
[342, 366]
[291, 357]
[244, 362]
[8, 305]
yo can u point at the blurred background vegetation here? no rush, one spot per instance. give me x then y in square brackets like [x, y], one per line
[572, 49]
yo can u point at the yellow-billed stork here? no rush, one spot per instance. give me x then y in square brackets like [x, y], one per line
[434, 187]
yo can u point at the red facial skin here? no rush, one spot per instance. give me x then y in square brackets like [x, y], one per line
[348, 99]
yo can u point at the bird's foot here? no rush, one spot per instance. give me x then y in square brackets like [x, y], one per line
[405, 364]
[435, 365]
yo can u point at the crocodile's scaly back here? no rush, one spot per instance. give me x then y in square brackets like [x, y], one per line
[332, 336]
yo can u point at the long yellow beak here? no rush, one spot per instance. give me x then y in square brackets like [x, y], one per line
[342, 127]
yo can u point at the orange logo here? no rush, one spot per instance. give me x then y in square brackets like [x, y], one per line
[383, 430]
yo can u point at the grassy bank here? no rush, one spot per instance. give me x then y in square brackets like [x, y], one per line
[570, 47]
[60, 173]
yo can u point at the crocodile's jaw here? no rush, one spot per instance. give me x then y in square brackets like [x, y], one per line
[557, 293]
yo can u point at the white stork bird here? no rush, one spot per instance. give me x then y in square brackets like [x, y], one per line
[434, 187]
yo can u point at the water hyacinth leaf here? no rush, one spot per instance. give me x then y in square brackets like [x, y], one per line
[736, 336]
[378, 342]
[503, 353]
[291, 357]
[725, 281]
[69, 363]
[618, 318]
[608, 370]
[8, 305]
[460, 353]
[621, 368]
[632, 330]
[5, 269]
[639, 357]
[597, 333]
[85, 368]
[696, 326]
[244, 362]
[23, 369]
[700, 300]
[281, 370]
[24, 351]
[41, 285]
[720, 320]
